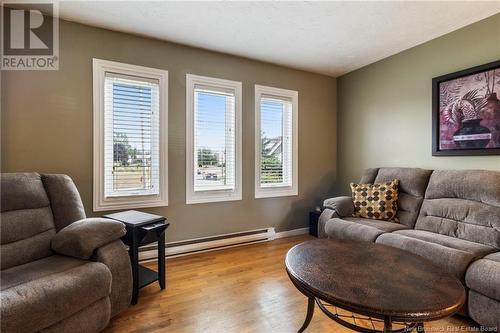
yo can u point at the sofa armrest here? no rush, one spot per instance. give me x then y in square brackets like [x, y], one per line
[81, 238]
[483, 276]
[325, 216]
[343, 206]
[115, 256]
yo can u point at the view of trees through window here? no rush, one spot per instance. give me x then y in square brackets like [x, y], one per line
[132, 135]
[131, 166]
[214, 139]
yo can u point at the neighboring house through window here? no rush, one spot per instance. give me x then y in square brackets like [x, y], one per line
[276, 150]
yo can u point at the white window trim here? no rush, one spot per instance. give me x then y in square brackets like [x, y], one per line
[100, 202]
[276, 191]
[193, 197]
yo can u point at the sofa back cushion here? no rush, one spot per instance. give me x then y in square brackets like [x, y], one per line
[67, 206]
[27, 225]
[464, 204]
[412, 185]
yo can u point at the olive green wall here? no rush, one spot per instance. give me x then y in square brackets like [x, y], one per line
[47, 127]
[384, 109]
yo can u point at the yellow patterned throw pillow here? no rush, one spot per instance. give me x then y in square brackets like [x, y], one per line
[377, 201]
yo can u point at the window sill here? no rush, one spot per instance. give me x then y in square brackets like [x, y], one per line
[272, 192]
[129, 202]
[206, 197]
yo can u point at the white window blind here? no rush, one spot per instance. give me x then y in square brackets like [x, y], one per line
[275, 142]
[130, 136]
[213, 147]
[214, 140]
[131, 149]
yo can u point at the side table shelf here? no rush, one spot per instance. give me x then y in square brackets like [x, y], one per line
[147, 276]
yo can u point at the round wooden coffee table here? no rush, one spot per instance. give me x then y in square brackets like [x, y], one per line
[377, 283]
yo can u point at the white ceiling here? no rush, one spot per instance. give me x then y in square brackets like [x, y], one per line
[331, 38]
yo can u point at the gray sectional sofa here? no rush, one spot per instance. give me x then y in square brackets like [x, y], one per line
[60, 271]
[449, 217]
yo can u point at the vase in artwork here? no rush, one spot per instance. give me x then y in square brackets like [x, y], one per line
[472, 135]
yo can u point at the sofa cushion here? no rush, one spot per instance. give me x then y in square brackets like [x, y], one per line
[356, 228]
[48, 290]
[483, 276]
[451, 259]
[412, 181]
[479, 250]
[65, 200]
[476, 185]
[18, 225]
[27, 222]
[22, 191]
[37, 269]
[463, 204]
[26, 236]
[385, 226]
[412, 185]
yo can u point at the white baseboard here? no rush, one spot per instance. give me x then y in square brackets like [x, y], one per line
[204, 244]
[211, 243]
[291, 233]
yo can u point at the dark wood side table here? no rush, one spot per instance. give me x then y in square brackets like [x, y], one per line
[143, 228]
[313, 223]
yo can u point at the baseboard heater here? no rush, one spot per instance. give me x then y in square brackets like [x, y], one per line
[204, 244]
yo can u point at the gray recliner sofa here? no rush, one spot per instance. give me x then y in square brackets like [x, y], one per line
[450, 217]
[60, 271]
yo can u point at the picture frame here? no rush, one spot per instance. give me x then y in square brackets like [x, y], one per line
[466, 112]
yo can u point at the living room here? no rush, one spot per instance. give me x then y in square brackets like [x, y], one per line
[257, 166]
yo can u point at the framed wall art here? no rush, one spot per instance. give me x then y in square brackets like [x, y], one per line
[466, 112]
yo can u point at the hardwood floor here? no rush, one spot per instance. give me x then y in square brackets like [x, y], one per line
[242, 289]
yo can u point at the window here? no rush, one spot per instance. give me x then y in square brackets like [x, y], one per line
[275, 142]
[130, 136]
[213, 147]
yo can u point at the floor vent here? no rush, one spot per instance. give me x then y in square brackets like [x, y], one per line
[204, 244]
